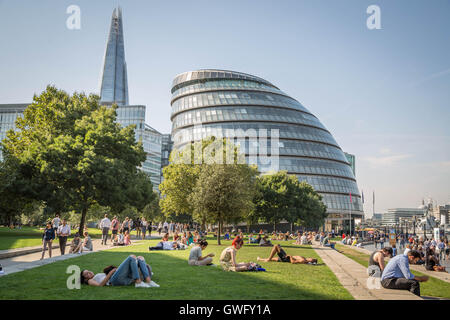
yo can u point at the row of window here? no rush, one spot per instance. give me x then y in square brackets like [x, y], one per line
[341, 202]
[208, 74]
[285, 131]
[327, 184]
[125, 113]
[250, 113]
[234, 98]
[223, 84]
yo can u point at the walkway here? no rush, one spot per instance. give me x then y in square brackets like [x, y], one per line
[353, 277]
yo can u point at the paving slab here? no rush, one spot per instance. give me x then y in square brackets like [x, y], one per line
[353, 277]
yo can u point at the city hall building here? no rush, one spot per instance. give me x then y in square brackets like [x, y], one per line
[214, 102]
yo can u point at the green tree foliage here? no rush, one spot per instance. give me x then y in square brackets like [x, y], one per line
[283, 197]
[224, 192]
[74, 154]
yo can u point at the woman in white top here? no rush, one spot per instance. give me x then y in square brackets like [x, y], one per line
[195, 256]
[144, 225]
[131, 270]
[228, 257]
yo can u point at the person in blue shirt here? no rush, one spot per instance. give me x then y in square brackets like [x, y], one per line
[397, 274]
[47, 239]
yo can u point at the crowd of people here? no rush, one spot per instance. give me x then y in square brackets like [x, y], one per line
[177, 236]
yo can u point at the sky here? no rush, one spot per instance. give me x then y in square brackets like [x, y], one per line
[384, 93]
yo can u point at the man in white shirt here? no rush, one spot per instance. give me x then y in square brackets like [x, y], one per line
[105, 224]
[63, 233]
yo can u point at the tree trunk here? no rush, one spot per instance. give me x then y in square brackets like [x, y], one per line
[291, 226]
[219, 231]
[83, 217]
[275, 227]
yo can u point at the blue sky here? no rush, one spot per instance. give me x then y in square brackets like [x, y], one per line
[383, 94]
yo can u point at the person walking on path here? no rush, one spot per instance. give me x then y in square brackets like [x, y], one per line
[115, 224]
[63, 233]
[126, 225]
[397, 274]
[144, 225]
[47, 239]
[138, 227]
[56, 222]
[105, 224]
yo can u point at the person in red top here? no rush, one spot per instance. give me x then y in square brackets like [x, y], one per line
[343, 236]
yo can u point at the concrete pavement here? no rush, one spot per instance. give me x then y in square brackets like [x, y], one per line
[354, 278]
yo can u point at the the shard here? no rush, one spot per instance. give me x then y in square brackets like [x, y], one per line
[114, 84]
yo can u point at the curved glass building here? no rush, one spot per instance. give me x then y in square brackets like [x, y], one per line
[212, 102]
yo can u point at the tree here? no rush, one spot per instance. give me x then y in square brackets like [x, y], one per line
[75, 153]
[224, 192]
[12, 189]
[283, 197]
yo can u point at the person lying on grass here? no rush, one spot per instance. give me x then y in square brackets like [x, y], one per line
[283, 257]
[131, 270]
[195, 256]
[228, 257]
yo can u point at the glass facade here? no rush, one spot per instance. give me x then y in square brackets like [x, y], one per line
[351, 161]
[8, 115]
[151, 139]
[114, 86]
[212, 102]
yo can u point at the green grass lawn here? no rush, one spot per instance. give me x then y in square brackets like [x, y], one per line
[30, 236]
[433, 287]
[178, 280]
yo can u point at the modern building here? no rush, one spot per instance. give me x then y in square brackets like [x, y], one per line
[351, 160]
[114, 85]
[114, 90]
[166, 149]
[8, 115]
[223, 103]
[442, 213]
[392, 216]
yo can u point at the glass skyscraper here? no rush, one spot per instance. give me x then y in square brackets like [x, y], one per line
[114, 90]
[114, 86]
[210, 102]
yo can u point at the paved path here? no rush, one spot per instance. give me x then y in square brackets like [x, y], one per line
[353, 277]
[32, 260]
[444, 276]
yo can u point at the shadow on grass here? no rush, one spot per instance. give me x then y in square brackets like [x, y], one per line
[178, 280]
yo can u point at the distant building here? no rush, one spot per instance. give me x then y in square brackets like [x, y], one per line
[442, 213]
[166, 149]
[351, 160]
[391, 217]
[377, 216]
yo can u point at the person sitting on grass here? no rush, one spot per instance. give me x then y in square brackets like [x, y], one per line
[283, 257]
[131, 270]
[265, 242]
[327, 243]
[376, 262]
[397, 274]
[431, 262]
[228, 257]
[76, 244]
[195, 256]
[126, 238]
[227, 235]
